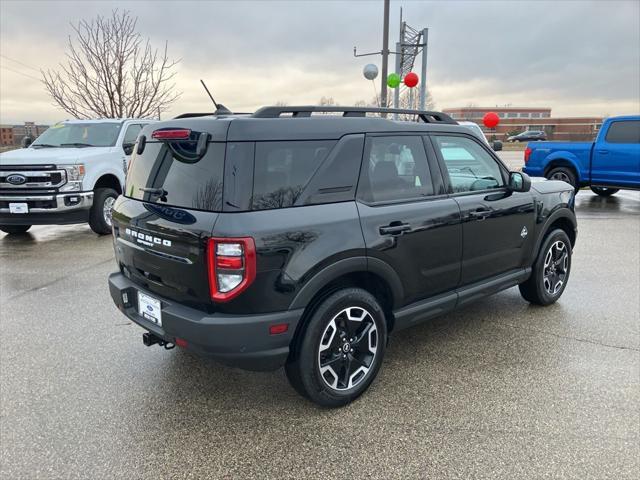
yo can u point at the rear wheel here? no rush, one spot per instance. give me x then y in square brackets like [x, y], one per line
[11, 229]
[550, 272]
[100, 214]
[341, 349]
[604, 191]
[564, 174]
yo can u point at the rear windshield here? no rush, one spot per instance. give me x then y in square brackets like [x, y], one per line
[160, 176]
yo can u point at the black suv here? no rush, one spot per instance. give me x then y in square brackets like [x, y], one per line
[304, 236]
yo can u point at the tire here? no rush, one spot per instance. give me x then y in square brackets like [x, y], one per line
[605, 191]
[13, 229]
[542, 287]
[330, 366]
[99, 219]
[565, 174]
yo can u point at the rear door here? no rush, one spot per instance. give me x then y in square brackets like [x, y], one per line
[497, 223]
[616, 158]
[172, 198]
[407, 220]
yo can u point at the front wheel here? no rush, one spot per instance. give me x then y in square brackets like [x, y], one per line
[100, 214]
[604, 191]
[341, 349]
[13, 229]
[550, 272]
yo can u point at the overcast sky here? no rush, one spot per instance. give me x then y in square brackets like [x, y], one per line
[578, 57]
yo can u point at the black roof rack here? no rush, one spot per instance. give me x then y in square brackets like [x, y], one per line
[306, 111]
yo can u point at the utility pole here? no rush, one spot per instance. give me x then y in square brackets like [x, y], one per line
[385, 55]
[423, 84]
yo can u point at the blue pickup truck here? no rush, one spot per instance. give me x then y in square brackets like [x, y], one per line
[607, 165]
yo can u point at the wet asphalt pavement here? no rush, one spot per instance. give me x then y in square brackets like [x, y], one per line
[500, 389]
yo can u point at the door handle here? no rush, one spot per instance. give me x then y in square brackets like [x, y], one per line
[395, 228]
[603, 152]
[480, 214]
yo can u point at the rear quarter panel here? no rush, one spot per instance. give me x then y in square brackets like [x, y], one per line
[292, 246]
[545, 155]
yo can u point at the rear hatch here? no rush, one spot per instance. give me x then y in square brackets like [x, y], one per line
[173, 195]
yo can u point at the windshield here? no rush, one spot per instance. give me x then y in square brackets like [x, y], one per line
[79, 135]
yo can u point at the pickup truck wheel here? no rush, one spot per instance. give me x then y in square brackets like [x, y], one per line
[341, 349]
[550, 272]
[564, 174]
[604, 191]
[100, 214]
[10, 229]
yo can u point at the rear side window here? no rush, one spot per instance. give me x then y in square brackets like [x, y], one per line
[395, 168]
[283, 169]
[161, 176]
[624, 132]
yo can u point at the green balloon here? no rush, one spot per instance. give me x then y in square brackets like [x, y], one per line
[393, 80]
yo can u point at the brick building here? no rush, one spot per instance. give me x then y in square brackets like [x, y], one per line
[518, 119]
[29, 129]
[6, 135]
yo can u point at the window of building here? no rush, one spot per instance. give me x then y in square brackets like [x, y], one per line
[396, 169]
[535, 115]
[512, 115]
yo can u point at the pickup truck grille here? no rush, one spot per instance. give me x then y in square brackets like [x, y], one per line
[30, 178]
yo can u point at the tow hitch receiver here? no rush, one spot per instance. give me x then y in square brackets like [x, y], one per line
[150, 339]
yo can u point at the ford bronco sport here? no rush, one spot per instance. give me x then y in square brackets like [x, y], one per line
[305, 236]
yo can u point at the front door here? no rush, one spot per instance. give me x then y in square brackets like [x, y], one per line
[407, 220]
[498, 224]
[616, 158]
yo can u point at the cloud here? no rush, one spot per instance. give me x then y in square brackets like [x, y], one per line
[578, 57]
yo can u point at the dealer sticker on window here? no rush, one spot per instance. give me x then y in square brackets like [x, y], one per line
[150, 308]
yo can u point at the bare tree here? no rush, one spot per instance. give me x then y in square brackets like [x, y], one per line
[111, 71]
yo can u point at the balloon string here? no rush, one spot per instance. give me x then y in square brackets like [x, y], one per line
[375, 92]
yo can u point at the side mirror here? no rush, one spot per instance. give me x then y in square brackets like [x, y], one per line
[26, 141]
[128, 148]
[519, 182]
[497, 146]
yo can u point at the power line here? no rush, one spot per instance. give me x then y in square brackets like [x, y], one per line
[20, 63]
[20, 73]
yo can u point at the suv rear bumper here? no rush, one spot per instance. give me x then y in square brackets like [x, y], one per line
[236, 340]
[72, 207]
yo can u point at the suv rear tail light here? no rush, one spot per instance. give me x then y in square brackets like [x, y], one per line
[527, 154]
[232, 266]
[172, 134]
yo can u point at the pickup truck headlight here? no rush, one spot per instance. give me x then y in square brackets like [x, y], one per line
[75, 174]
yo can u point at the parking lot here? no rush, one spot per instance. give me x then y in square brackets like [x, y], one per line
[500, 389]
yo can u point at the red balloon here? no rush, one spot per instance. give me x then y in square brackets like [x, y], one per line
[411, 80]
[491, 119]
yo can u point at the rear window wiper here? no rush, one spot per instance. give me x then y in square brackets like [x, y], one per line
[160, 192]
[76, 144]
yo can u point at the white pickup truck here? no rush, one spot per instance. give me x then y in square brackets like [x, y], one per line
[72, 173]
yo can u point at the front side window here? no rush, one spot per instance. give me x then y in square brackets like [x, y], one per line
[131, 134]
[283, 169]
[470, 166]
[395, 168]
[103, 134]
[624, 132]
